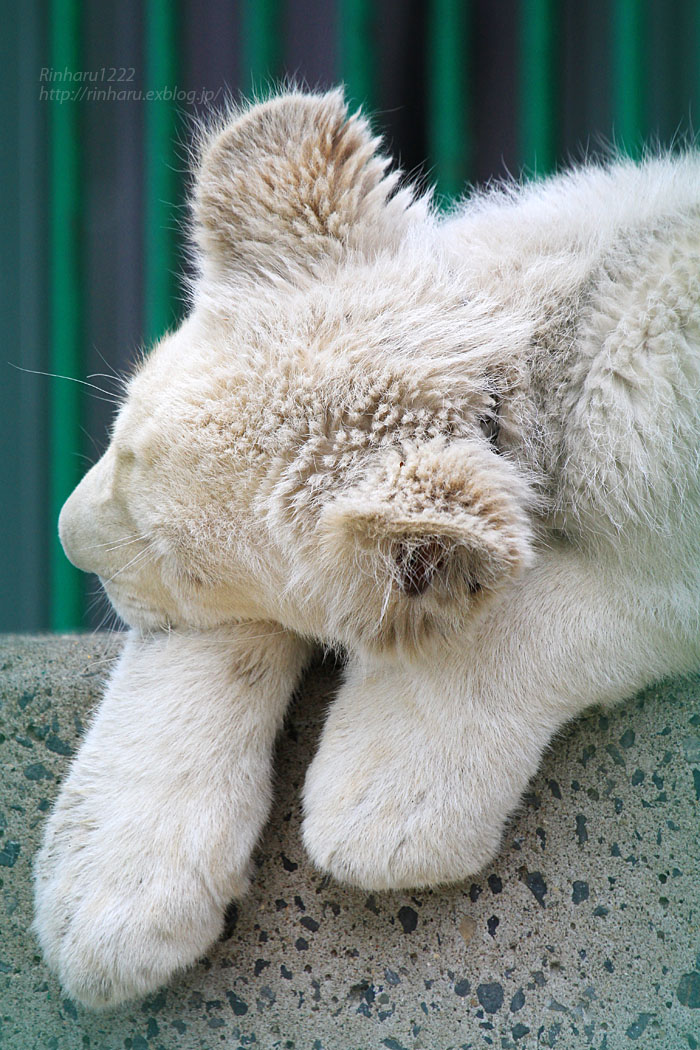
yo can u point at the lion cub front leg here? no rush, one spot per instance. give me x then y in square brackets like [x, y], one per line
[414, 777]
[152, 832]
[421, 761]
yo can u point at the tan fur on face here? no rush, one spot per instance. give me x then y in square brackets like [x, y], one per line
[276, 407]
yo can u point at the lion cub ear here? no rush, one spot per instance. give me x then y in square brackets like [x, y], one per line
[291, 181]
[448, 522]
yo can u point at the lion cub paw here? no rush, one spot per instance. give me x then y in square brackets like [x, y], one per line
[393, 830]
[120, 907]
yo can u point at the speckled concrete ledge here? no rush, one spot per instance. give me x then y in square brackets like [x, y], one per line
[584, 933]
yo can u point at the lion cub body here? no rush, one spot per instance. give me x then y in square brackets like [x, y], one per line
[463, 448]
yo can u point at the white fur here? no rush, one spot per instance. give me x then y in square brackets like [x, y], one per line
[463, 448]
[152, 834]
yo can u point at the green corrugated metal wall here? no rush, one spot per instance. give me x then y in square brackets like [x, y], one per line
[65, 309]
[49, 285]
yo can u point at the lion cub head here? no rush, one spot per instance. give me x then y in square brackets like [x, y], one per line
[315, 444]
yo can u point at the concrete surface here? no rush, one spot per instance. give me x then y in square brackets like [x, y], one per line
[584, 933]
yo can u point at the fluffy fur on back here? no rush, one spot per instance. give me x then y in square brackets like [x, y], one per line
[463, 448]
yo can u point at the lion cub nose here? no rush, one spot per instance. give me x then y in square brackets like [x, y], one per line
[73, 533]
[87, 527]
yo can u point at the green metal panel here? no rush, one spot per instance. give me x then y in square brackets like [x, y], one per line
[262, 43]
[161, 214]
[31, 606]
[538, 88]
[694, 35]
[11, 537]
[449, 141]
[65, 306]
[24, 518]
[356, 50]
[628, 74]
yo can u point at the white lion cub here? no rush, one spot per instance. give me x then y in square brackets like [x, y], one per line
[463, 448]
